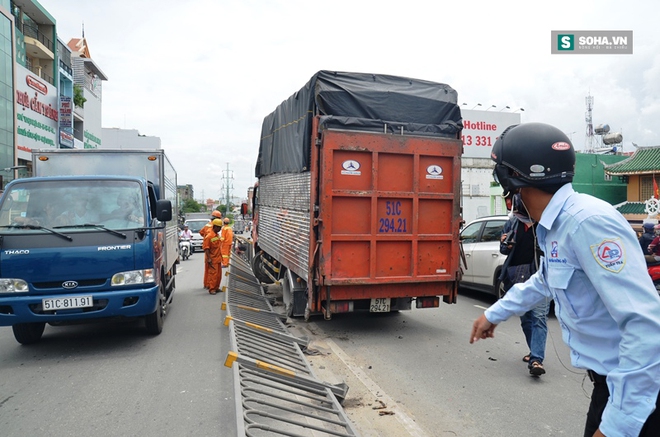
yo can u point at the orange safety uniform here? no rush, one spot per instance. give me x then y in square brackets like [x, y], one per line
[213, 261]
[205, 229]
[227, 238]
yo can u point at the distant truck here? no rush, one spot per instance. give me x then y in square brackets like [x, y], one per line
[198, 216]
[357, 204]
[90, 236]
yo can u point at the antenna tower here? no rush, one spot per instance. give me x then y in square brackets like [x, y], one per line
[589, 140]
[228, 185]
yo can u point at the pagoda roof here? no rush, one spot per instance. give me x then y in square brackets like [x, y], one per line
[645, 160]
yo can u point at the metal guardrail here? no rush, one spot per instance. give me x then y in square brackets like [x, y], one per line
[275, 389]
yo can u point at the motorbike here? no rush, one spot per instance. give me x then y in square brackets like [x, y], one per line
[654, 272]
[185, 249]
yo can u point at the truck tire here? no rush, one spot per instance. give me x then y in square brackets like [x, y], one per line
[28, 333]
[154, 321]
[258, 270]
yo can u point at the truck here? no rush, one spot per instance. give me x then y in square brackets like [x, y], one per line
[89, 237]
[357, 201]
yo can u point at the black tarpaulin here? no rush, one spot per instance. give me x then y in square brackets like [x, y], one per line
[360, 101]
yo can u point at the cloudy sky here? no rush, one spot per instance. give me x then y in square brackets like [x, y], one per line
[202, 74]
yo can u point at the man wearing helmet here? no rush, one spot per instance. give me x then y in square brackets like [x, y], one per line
[213, 255]
[605, 301]
[227, 238]
[207, 227]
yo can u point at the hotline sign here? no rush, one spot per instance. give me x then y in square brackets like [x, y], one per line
[609, 254]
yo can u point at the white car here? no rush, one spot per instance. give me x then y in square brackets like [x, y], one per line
[195, 225]
[481, 245]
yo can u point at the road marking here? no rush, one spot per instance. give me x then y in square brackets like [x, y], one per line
[481, 307]
[403, 418]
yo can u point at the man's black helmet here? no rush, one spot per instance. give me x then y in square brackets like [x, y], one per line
[533, 155]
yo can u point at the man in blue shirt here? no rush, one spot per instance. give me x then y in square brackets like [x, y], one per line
[605, 301]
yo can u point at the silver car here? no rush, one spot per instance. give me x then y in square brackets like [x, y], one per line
[481, 244]
[195, 225]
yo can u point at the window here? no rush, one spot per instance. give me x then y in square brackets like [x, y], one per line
[646, 187]
[492, 230]
[470, 234]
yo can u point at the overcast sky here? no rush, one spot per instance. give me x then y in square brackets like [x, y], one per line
[202, 74]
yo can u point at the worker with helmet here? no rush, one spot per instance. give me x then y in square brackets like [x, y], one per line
[213, 255]
[207, 227]
[227, 239]
[605, 300]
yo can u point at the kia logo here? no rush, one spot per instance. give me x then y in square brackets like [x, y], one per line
[69, 284]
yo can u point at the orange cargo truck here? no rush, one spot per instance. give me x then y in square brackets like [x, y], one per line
[357, 204]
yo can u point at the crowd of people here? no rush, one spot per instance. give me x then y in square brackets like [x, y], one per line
[218, 238]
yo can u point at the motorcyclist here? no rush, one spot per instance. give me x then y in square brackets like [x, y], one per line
[186, 234]
[184, 242]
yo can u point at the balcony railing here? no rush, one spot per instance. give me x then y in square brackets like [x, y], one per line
[66, 68]
[39, 71]
[33, 32]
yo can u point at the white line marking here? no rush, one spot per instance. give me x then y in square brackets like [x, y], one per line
[403, 418]
[479, 306]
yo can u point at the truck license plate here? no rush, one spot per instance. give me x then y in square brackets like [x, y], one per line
[380, 305]
[67, 303]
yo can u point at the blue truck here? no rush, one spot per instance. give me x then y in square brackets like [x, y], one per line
[90, 236]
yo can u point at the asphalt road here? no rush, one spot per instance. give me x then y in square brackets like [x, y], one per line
[420, 364]
[113, 379]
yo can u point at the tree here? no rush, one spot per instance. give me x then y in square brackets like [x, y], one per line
[78, 96]
[191, 205]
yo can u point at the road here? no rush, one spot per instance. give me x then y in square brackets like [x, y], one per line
[113, 379]
[419, 364]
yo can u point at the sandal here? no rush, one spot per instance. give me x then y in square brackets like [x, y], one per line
[526, 358]
[536, 369]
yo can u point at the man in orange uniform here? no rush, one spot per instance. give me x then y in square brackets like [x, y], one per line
[227, 238]
[207, 227]
[213, 255]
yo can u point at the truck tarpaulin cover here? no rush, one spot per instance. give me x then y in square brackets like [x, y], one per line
[357, 101]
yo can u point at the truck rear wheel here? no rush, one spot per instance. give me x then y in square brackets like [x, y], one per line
[28, 333]
[258, 269]
[154, 321]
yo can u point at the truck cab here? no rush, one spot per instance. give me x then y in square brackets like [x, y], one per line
[80, 247]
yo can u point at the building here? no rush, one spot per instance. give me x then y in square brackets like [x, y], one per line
[65, 70]
[35, 83]
[87, 95]
[7, 106]
[641, 174]
[115, 138]
[185, 192]
[43, 94]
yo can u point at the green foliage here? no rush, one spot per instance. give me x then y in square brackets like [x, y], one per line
[78, 96]
[191, 205]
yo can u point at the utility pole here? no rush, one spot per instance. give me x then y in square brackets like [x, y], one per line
[227, 178]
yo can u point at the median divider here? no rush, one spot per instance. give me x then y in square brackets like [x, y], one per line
[276, 390]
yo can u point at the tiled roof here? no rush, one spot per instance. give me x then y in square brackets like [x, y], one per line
[631, 208]
[645, 160]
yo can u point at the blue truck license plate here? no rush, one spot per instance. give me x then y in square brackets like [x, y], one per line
[67, 303]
